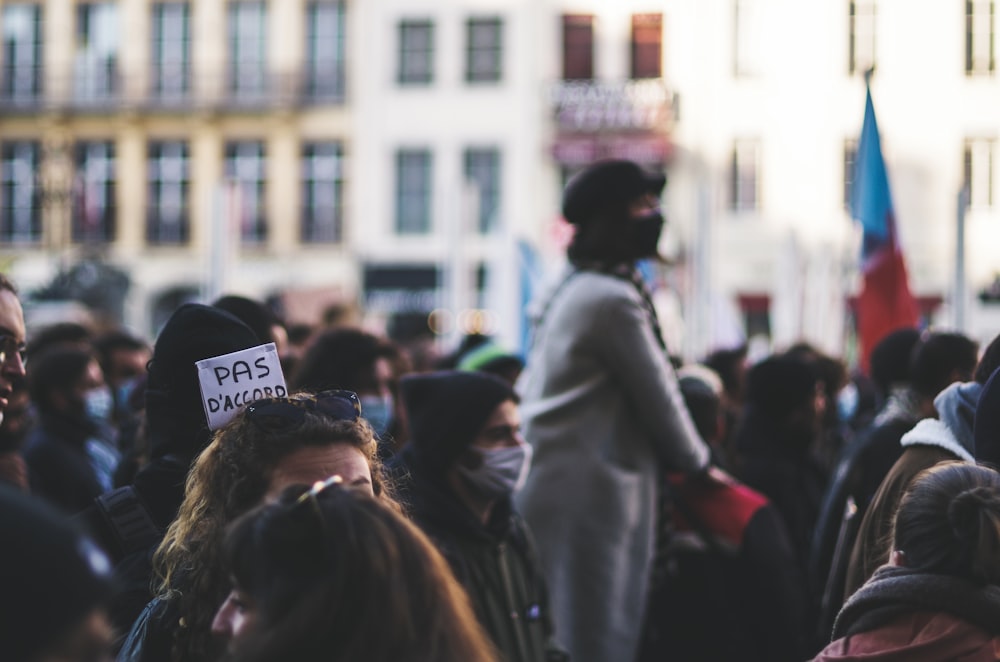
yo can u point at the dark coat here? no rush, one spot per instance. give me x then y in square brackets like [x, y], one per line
[59, 469]
[746, 581]
[496, 562]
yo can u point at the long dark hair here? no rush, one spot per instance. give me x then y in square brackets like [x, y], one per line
[948, 522]
[338, 577]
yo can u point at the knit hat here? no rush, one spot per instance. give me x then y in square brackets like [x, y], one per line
[446, 410]
[51, 576]
[607, 184]
[174, 410]
[489, 357]
[779, 385]
[987, 426]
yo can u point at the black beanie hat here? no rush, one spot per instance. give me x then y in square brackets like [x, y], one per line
[987, 425]
[174, 409]
[779, 385]
[446, 410]
[51, 576]
[605, 185]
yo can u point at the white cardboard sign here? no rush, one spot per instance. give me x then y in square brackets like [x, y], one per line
[232, 381]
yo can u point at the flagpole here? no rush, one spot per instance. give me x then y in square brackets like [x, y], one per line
[960, 293]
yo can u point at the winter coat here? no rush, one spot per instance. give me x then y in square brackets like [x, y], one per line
[495, 562]
[59, 467]
[906, 616]
[602, 409]
[929, 443]
[726, 560]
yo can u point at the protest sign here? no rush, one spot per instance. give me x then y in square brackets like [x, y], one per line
[232, 381]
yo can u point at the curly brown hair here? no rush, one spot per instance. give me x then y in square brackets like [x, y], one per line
[230, 477]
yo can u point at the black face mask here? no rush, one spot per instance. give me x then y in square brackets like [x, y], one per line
[645, 233]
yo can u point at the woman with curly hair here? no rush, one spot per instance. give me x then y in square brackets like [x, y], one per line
[331, 574]
[270, 445]
[939, 596]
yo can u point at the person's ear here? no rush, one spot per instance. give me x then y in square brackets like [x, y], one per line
[897, 558]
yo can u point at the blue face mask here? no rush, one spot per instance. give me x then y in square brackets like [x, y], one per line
[123, 393]
[98, 404]
[377, 410]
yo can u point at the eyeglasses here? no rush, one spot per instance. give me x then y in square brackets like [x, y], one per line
[9, 347]
[282, 414]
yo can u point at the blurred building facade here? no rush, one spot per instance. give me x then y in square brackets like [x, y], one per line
[406, 153]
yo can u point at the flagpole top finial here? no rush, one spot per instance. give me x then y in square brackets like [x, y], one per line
[869, 72]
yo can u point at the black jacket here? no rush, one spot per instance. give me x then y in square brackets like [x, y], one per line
[496, 563]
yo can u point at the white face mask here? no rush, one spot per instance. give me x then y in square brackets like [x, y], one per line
[502, 472]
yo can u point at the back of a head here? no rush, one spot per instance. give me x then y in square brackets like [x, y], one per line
[948, 522]
[940, 359]
[174, 409]
[890, 359]
[59, 334]
[729, 365]
[343, 357]
[701, 397]
[336, 576]
[51, 577]
[446, 410]
[779, 386]
[254, 314]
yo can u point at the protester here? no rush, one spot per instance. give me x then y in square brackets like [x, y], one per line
[949, 435]
[939, 597]
[331, 575]
[53, 585]
[12, 347]
[129, 522]
[464, 461]
[261, 319]
[726, 584]
[604, 414]
[362, 362]
[270, 445]
[70, 462]
[123, 359]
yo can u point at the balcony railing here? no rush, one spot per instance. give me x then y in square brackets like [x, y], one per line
[111, 91]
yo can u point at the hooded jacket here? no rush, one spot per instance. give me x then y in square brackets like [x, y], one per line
[929, 442]
[495, 562]
[907, 616]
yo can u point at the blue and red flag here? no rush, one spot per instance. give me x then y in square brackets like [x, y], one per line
[885, 303]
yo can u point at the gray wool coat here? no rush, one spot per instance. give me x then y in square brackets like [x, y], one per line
[602, 409]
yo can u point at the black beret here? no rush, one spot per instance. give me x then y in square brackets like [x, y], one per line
[606, 184]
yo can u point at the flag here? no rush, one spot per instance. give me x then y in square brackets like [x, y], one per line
[885, 303]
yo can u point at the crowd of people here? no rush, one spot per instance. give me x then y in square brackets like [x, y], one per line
[596, 500]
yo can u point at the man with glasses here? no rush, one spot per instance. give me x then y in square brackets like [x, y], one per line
[12, 335]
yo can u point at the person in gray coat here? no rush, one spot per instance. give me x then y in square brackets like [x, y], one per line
[603, 412]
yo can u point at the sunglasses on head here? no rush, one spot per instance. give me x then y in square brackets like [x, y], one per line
[277, 414]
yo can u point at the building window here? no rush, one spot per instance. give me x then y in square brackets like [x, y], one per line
[22, 52]
[94, 193]
[978, 170]
[322, 192]
[850, 163]
[247, 49]
[484, 50]
[980, 30]
[748, 44]
[745, 176]
[325, 50]
[482, 168]
[413, 191]
[168, 207]
[20, 209]
[578, 46]
[171, 59]
[647, 45]
[416, 52]
[95, 75]
[861, 48]
[246, 166]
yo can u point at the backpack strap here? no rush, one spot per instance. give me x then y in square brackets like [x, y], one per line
[133, 527]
